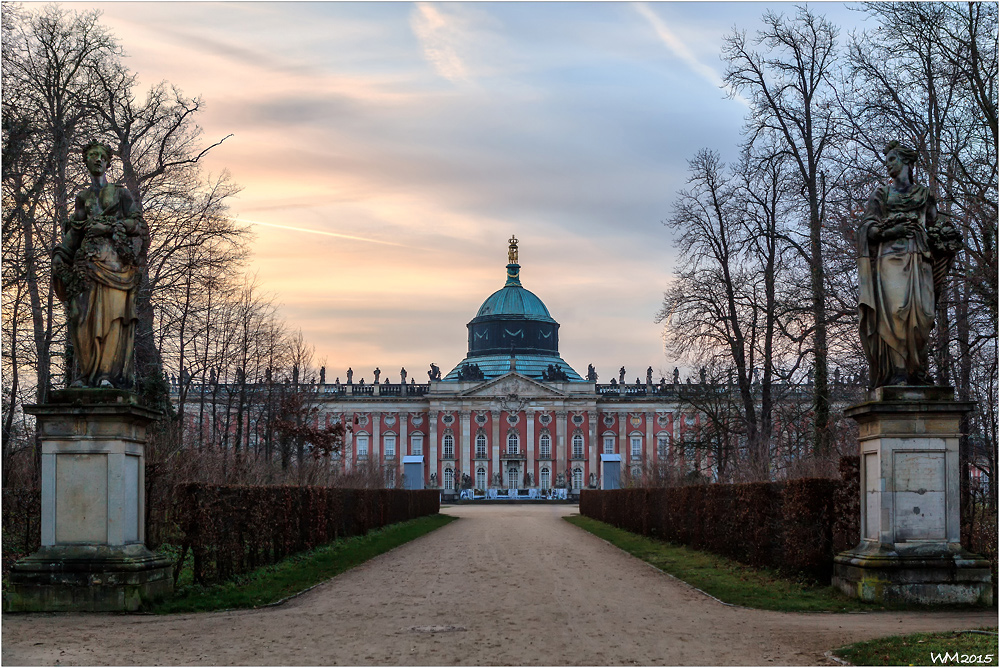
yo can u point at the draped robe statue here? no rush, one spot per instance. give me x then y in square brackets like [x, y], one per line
[904, 253]
[96, 275]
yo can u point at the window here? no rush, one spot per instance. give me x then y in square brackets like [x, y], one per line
[480, 446]
[577, 478]
[578, 446]
[512, 478]
[545, 445]
[417, 445]
[449, 479]
[544, 477]
[662, 445]
[637, 472]
[609, 445]
[362, 446]
[390, 446]
[390, 476]
[636, 446]
[513, 443]
[481, 478]
[448, 446]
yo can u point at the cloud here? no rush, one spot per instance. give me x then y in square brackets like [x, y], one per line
[681, 50]
[440, 36]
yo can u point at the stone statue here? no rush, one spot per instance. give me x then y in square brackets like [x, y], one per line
[434, 480]
[649, 376]
[621, 376]
[377, 372]
[591, 373]
[322, 375]
[434, 373]
[402, 375]
[677, 376]
[95, 273]
[350, 376]
[904, 254]
[703, 375]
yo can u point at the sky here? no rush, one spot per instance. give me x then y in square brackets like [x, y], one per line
[387, 151]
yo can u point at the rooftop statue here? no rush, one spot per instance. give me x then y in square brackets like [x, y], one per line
[904, 254]
[95, 273]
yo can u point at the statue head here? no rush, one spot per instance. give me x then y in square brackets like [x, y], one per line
[97, 155]
[898, 157]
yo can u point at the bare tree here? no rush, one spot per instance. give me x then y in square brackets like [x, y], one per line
[785, 73]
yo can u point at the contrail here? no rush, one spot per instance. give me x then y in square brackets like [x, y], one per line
[324, 233]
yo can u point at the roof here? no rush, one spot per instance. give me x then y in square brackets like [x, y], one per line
[514, 300]
[531, 366]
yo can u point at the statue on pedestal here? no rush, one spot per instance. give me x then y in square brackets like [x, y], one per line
[904, 253]
[95, 273]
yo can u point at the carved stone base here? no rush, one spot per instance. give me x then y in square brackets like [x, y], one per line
[88, 578]
[913, 573]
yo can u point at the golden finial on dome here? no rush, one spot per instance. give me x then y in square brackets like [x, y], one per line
[512, 251]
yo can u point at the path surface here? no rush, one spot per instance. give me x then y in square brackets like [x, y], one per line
[523, 587]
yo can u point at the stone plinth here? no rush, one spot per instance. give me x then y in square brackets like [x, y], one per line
[93, 555]
[910, 547]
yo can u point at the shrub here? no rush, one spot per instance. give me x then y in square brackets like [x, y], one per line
[231, 530]
[796, 526]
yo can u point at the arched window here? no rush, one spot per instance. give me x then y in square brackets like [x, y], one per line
[390, 476]
[449, 479]
[545, 445]
[448, 446]
[577, 478]
[513, 476]
[481, 445]
[417, 444]
[481, 478]
[390, 445]
[513, 443]
[662, 445]
[636, 442]
[609, 444]
[578, 445]
[361, 446]
[544, 478]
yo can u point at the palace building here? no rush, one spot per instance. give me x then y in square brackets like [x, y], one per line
[511, 415]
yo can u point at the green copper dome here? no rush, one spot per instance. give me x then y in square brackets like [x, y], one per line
[513, 322]
[514, 300]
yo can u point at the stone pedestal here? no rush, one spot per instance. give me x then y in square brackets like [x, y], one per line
[93, 555]
[910, 547]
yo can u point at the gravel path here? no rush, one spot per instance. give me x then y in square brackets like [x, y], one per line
[507, 585]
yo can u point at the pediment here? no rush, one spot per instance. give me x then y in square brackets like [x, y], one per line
[512, 385]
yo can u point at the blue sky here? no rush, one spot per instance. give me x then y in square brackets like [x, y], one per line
[405, 143]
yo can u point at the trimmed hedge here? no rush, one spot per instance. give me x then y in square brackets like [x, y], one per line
[22, 524]
[796, 526]
[231, 530]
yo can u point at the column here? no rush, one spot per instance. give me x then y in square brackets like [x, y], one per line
[650, 441]
[464, 440]
[624, 447]
[495, 419]
[562, 464]
[595, 447]
[375, 449]
[403, 448]
[432, 447]
[348, 443]
[530, 449]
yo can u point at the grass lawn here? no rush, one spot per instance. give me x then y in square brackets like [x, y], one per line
[959, 648]
[728, 580]
[296, 573]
